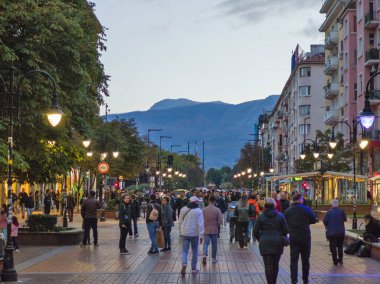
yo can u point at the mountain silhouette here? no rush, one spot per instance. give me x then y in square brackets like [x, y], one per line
[223, 127]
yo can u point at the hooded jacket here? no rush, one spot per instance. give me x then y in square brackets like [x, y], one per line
[269, 229]
[191, 223]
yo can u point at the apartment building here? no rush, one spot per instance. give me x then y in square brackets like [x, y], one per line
[352, 40]
[299, 111]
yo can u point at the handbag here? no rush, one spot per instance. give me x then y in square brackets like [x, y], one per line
[160, 238]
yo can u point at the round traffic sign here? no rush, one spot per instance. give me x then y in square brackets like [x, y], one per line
[103, 167]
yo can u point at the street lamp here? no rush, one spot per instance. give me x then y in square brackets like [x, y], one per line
[147, 159]
[315, 148]
[86, 143]
[159, 156]
[172, 146]
[12, 95]
[363, 143]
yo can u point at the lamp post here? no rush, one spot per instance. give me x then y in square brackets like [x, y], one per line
[172, 146]
[148, 146]
[363, 144]
[12, 96]
[159, 157]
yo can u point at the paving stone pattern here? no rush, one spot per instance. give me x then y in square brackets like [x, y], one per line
[103, 264]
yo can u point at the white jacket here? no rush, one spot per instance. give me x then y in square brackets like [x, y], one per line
[191, 222]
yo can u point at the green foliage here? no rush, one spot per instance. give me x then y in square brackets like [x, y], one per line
[111, 204]
[41, 223]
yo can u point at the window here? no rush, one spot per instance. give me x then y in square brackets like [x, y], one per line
[355, 91]
[304, 129]
[360, 84]
[378, 37]
[360, 47]
[360, 10]
[304, 91]
[345, 27]
[355, 57]
[355, 27]
[305, 109]
[371, 40]
[345, 61]
[305, 72]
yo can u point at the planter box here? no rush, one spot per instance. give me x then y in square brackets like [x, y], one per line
[375, 247]
[110, 214]
[71, 237]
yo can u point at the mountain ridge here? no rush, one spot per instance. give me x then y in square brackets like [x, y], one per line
[224, 127]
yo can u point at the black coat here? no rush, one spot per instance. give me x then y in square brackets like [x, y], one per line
[135, 209]
[269, 229]
[125, 214]
[299, 218]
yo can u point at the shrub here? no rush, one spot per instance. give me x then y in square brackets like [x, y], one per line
[111, 204]
[41, 223]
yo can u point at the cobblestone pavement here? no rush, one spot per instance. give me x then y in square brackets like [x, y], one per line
[104, 264]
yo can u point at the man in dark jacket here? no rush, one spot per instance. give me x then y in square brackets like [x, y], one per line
[153, 222]
[335, 231]
[89, 213]
[70, 206]
[135, 213]
[284, 202]
[299, 218]
[22, 196]
[181, 202]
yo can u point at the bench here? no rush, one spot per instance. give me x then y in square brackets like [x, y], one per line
[375, 247]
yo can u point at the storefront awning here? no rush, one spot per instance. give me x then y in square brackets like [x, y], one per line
[284, 178]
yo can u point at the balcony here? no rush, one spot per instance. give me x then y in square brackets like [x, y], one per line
[331, 116]
[372, 57]
[371, 21]
[331, 90]
[331, 40]
[331, 65]
[374, 97]
[327, 4]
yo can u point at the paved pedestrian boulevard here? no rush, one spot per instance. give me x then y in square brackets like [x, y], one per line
[103, 264]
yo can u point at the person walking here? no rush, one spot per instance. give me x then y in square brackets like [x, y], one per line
[29, 205]
[167, 222]
[242, 214]
[22, 197]
[253, 213]
[278, 203]
[70, 206]
[89, 213]
[14, 233]
[221, 203]
[125, 216]
[47, 203]
[270, 229]
[299, 218]
[285, 204]
[135, 211]
[231, 219]
[153, 221]
[335, 231]
[213, 218]
[181, 202]
[191, 229]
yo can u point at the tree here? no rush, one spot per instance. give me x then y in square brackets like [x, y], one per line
[214, 176]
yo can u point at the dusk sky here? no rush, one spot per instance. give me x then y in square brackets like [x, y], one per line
[204, 50]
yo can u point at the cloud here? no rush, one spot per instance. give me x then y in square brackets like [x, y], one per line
[256, 10]
[311, 29]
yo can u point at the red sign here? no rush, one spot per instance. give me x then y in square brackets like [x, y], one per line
[103, 167]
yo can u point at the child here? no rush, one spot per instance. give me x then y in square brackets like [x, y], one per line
[14, 233]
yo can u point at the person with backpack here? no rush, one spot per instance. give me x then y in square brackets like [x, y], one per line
[241, 212]
[191, 229]
[125, 216]
[270, 230]
[153, 222]
[231, 219]
[335, 231]
[253, 213]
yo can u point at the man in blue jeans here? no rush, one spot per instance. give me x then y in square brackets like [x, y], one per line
[213, 218]
[153, 222]
[191, 229]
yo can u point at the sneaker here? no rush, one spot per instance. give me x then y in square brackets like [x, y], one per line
[153, 252]
[17, 250]
[124, 251]
[130, 236]
[164, 249]
[231, 239]
[183, 270]
[195, 271]
[340, 262]
[204, 259]
[213, 260]
[168, 249]
[136, 236]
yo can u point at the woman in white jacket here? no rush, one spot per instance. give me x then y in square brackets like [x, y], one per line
[191, 229]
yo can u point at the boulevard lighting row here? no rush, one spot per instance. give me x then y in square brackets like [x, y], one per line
[169, 174]
[87, 143]
[249, 174]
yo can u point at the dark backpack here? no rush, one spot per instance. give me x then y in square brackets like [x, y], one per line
[252, 211]
[364, 251]
[353, 247]
[243, 214]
